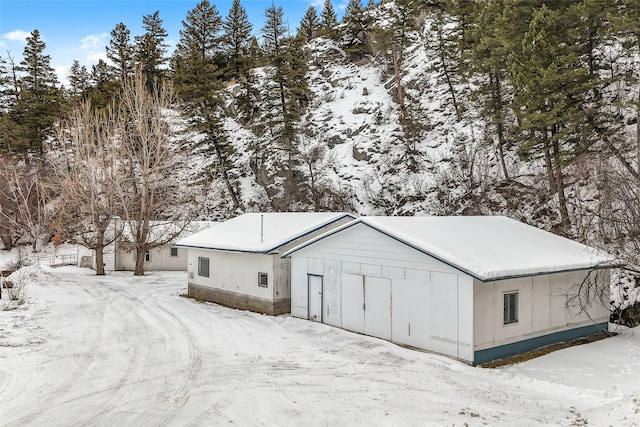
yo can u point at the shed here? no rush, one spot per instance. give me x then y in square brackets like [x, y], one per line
[120, 255]
[473, 288]
[237, 263]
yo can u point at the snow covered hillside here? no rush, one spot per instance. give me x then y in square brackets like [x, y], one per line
[87, 350]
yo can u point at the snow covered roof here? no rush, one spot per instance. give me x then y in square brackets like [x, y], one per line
[159, 230]
[261, 232]
[485, 247]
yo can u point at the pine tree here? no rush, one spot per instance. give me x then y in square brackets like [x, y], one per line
[197, 81]
[484, 58]
[309, 24]
[121, 52]
[286, 96]
[553, 101]
[355, 31]
[9, 95]
[79, 79]
[103, 85]
[150, 48]
[237, 39]
[328, 20]
[273, 32]
[38, 104]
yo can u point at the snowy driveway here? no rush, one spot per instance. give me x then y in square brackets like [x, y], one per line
[128, 351]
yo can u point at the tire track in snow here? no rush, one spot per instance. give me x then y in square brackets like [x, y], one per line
[60, 391]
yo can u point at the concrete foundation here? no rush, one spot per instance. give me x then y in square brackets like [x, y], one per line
[240, 301]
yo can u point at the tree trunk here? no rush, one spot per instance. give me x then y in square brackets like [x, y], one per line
[100, 253]
[497, 105]
[225, 177]
[447, 77]
[638, 137]
[139, 269]
[549, 166]
[396, 76]
[560, 187]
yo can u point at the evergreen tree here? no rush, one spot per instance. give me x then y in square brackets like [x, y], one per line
[79, 79]
[309, 24]
[38, 103]
[121, 52]
[197, 81]
[237, 39]
[328, 20]
[286, 96]
[103, 85]
[355, 31]
[553, 97]
[273, 32]
[8, 97]
[485, 60]
[151, 49]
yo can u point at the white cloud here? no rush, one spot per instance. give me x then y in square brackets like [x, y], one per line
[317, 3]
[17, 36]
[61, 72]
[93, 47]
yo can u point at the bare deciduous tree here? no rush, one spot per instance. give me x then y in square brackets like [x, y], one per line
[87, 178]
[155, 207]
[23, 198]
[316, 163]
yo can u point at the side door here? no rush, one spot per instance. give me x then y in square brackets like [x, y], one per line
[315, 297]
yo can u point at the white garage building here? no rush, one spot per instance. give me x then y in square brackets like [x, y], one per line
[474, 288]
[238, 263]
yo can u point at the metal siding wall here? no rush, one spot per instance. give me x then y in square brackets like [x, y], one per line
[542, 310]
[540, 303]
[484, 311]
[410, 302]
[352, 296]
[299, 296]
[465, 317]
[417, 302]
[332, 314]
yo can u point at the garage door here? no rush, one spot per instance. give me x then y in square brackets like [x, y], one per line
[366, 305]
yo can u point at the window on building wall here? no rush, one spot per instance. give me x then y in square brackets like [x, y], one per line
[147, 256]
[173, 252]
[263, 280]
[203, 266]
[510, 313]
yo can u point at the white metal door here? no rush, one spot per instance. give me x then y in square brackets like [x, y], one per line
[353, 302]
[315, 297]
[377, 307]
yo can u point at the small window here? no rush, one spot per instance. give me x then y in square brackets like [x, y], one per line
[203, 266]
[147, 256]
[173, 252]
[510, 314]
[263, 280]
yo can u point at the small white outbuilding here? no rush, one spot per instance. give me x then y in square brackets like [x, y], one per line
[237, 263]
[473, 288]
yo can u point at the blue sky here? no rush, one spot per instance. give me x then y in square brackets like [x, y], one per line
[80, 30]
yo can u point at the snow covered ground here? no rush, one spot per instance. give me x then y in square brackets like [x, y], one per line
[124, 350]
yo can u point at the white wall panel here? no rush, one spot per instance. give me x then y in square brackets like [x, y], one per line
[410, 309]
[352, 302]
[377, 313]
[299, 297]
[332, 294]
